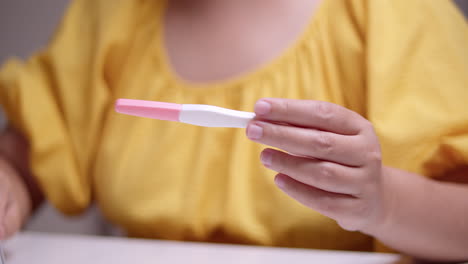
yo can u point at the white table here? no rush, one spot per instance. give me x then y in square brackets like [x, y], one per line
[38, 248]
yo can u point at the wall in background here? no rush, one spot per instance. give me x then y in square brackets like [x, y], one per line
[463, 4]
[26, 25]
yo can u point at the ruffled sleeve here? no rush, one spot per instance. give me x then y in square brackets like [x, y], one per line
[418, 84]
[56, 99]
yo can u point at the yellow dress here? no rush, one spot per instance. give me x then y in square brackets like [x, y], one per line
[402, 64]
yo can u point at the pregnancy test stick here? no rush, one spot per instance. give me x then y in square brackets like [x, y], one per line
[195, 114]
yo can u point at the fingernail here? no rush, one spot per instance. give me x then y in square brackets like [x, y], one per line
[279, 181]
[266, 157]
[254, 132]
[262, 107]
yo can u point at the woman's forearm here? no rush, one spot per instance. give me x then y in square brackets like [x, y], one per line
[426, 219]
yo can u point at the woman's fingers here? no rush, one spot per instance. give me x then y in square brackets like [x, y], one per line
[323, 145]
[12, 220]
[351, 213]
[333, 164]
[320, 174]
[3, 209]
[12, 194]
[4, 197]
[327, 203]
[4, 188]
[310, 114]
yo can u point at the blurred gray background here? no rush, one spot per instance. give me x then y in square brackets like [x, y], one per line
[25, 26]
[463, 4]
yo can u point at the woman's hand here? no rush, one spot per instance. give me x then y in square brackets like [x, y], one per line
[15, 198]
[331, 160]
[15, 204]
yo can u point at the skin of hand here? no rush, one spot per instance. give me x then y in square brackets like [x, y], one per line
[15, 200]
[331, 159]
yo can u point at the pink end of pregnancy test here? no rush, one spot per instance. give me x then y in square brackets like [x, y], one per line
[195, 114]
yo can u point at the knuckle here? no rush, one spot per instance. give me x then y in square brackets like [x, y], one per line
[374, 156]
[324, 111]
[324, 174]
[324, 143]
